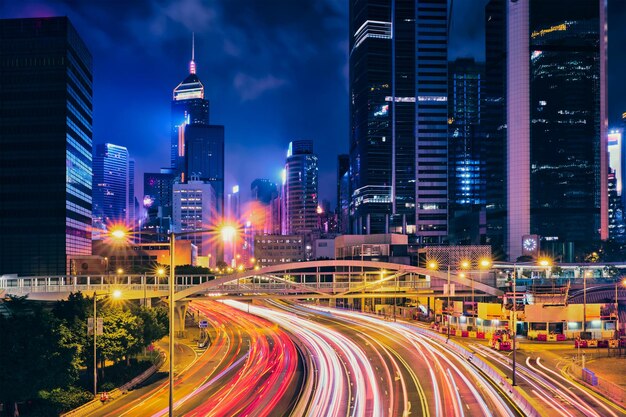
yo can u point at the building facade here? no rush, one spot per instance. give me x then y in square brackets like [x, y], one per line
[494, 125]
[466, 152]
[110, 185]
[204, 157]
[557, 122]
[300, 197]
[399, 123]
[279, 249]
[45, 146]
[194, 209]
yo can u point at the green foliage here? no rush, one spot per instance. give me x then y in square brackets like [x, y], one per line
[43, 350]
[191, 270]
[37, 352]
[122, 334]
[59, 400]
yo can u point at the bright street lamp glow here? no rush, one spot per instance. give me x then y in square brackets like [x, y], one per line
[432, 265]
[120, 271]
[161, 271]
[545, 262]
[465, 264]
[118, 234]
[485, 263]
[117, 294]
[228, 233]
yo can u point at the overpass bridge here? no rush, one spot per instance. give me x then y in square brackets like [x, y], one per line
[329, 279]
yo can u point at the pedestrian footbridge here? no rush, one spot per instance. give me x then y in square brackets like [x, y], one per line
[314, 279]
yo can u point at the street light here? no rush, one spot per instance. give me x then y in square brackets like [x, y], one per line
[545, 262]
[434, 266]
[227, 232]
[116, 294]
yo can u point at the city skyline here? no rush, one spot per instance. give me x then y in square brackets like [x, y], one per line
[270, 82]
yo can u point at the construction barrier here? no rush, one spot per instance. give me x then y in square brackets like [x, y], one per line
[589, 377]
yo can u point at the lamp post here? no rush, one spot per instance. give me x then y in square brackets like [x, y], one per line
[433, 265]
[116, 294]
[227, 232]
[542, 262]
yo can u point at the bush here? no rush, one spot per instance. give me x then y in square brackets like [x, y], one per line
[60, 400]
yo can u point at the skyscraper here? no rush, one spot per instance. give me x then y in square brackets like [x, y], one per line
[494, 124]
[194, 209]
[110, 184]
[343, 194]
[300, 188]
[157, 199]
[557, 122]
[466, 152]
[398, 110]
[188, 107]
[265, 207]
[131, 212]
[204, 158]
[45, 146]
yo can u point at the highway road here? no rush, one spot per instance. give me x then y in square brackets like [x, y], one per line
[250, 365]
[556, 393]
[382, 368]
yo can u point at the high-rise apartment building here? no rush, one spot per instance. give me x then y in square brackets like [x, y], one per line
[300, 188]
[557, 122]
[466, 152]
[110, 184]
[45, 146]
[399, 124]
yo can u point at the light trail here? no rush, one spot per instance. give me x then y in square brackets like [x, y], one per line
[333, 351]
[430, 351]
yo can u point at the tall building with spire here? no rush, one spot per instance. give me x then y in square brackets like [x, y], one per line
[188, 107]
[197, 146]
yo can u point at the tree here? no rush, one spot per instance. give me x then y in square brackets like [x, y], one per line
[37, 353]
[192, 270]
[121, 336]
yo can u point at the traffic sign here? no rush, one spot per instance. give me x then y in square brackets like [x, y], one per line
[203, 324]
[99, 326]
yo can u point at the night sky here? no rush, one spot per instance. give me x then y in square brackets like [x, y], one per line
[273, 70]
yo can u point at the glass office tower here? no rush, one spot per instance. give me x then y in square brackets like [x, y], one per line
[110, 184]
[45, 146]
[557, 125]
[398, 109]
[300, 188]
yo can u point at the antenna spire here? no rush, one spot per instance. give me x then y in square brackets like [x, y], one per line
[192, 64]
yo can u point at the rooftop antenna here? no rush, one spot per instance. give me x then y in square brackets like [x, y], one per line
[192, 64]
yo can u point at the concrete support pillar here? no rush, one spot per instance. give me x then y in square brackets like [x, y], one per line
[332, 302]
[180, 311]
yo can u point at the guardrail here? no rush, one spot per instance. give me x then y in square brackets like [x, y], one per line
[515, 396]
[599, 384]
[95, 403]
